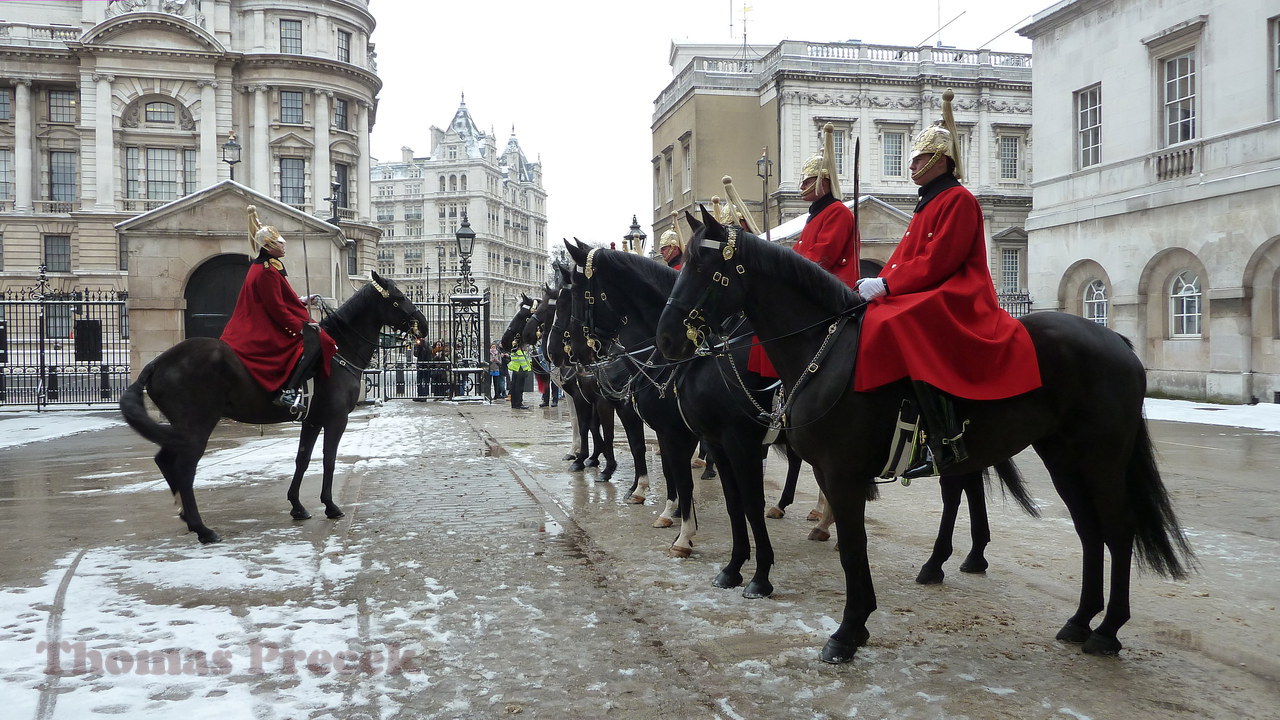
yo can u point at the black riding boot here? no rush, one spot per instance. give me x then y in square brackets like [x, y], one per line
[291, 394]
[944, 433]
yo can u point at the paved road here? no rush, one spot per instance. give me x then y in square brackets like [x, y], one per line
[473, 576]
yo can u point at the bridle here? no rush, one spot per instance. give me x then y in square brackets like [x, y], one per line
[697, 328]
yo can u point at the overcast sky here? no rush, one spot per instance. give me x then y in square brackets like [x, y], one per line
[577, 78]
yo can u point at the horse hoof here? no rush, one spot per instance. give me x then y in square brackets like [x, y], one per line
[727, 580]
[568, 456]
[1074, 632]
[300, 514]
[1099, 644]
[663, 522]
[577, 467]
[635, 500]
[819, 535]
[813, 516]
[676, 551]
[839, 652]
[974, 565]
[775, 513]
[593, 462]
[757, 590]
[607, 473]
[208, 537]
[334, 514]
[930, 576]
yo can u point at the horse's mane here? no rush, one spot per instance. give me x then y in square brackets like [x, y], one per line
[640, 268]
[354, 306]
[792, 268]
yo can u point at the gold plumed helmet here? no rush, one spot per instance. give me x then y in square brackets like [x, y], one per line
[823, 165]
[671, 238]
[261, 236]
[940, 139]
[736, 210]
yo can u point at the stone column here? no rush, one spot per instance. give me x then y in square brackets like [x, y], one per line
[363, 185]
[321, 172]
[260, 148]
[986, 151]
[104, 143]
[208, 132]
[24, 180]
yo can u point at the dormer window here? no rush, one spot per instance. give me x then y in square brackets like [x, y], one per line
[160, 112]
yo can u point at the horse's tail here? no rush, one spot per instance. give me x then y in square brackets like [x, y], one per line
[1161, 546]
[134, 409]
[1012, 480]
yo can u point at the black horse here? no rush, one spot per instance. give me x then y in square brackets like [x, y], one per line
[199, 381]
[1085, 422]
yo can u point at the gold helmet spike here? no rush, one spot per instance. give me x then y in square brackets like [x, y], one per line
[739, 207]
[260, 235]
[823, 164]
[940, 139]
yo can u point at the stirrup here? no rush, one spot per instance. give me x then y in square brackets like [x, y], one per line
[926, 468]
[288, 398]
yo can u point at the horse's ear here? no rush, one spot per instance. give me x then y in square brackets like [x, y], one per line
[577, 252]
[694, 224]
[708, 219]
[526, 300]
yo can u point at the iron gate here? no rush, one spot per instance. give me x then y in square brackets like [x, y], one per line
[462, 324]
[63, 347]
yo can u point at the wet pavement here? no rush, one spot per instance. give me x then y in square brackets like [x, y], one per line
[474, 576]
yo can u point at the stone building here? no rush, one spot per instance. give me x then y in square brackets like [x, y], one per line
[419, 203]
[727, 105]
[113, 121]
[1156, 207]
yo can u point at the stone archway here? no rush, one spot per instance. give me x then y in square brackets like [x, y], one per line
[211, 294]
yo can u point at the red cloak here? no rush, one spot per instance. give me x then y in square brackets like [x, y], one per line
[265, 330]
[941, 321]
[831, 240]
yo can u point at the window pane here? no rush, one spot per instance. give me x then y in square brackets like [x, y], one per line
[62, 106]
[1008, 157]
[161, 112]
[6, 174]
[1184, 306]
[6, 104]
[1089, 126]
[293, 181]
[132, 178]
[1180, 98]
[190, 171]
[291, 107]
[1010, 270]
[891, 162]
[1095, 302]
[340, 171]
[837, 145]
[344, 46]
[162, 174]
[62, 176]
[340, 114]
[57, 253]
[291, 36]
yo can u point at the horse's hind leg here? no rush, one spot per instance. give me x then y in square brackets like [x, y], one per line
[306, 443]
[179, 468]
[1103, 640]
[788, 488]
[952, 487]
[979, 528]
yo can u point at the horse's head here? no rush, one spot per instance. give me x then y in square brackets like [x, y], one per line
[511, 337]
[600, 322]
[711, 287]
[398, 311]
[540, 319]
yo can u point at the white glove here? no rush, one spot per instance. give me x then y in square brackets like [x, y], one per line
[871, 288]
[309, 299]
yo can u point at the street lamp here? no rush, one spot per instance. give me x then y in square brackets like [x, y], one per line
[466, 238]
[635, 239]
[764, 168]
[231, 152]
[440, 273]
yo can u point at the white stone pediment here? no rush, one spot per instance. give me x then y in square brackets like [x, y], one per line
[152, 31]
[293, 141]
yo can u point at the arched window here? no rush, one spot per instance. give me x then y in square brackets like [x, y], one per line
[160, 112]
[453, 183]
[1184, 305]
[442, 183]
[464, 183]
[1095, 302]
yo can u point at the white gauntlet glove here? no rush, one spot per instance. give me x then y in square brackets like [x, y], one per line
[871, 288]
[309, 299]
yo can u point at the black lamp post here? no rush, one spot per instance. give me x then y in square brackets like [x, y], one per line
[231, 152]
[466, 238]
[635, 239]
[440, 273]
[764, 168]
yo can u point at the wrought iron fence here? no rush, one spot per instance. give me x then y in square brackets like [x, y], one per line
[461, 325]
[61, 347]
[1016, 303]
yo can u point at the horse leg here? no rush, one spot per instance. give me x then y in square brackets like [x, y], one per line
[178, 464]
[731, 575]
[826, 516]
[586, 424]
[1103, 640]
[332, 436]
[597, 438]
[788, 488]
[979, 528]
[577, 425]
[860, 594]
[634, 428]
[306, 443]
[606, 411]
[952, 487]
[819, 511]
[749, 482]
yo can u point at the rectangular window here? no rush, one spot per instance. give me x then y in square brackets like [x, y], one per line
[6, 174]
[1180, 98]
[1010, 270]
[670, 178]
[160, 112]
[57, 253]
[1009, 151]
[686, 174]
[132, 178]
[341, 171]
[291, 37]
[62, 176]
[891, 160]
[351, 259]
[344, 46]
[6, 104]
[340, 114]
[162, 174]
[190, 171]
[291, 107]
[293, 181]
[1275, 68]
[837, 145]
[62, 106]
[1089, 126]
[124, 256]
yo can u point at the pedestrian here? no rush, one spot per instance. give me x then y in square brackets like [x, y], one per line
[271, 330]
[422, 354]
[933, 315]
[495, 372]
[520, 369]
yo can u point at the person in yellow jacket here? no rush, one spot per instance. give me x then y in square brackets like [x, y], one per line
[519, 367]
